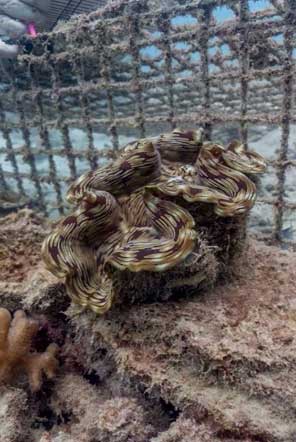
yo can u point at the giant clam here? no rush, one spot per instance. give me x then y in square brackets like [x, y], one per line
[150, 211]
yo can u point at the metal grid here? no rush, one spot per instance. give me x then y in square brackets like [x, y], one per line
[134, 69]
[65, 9]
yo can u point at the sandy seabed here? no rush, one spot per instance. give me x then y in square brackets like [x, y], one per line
[215, 366]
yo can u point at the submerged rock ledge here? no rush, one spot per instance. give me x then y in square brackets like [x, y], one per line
[217, 366]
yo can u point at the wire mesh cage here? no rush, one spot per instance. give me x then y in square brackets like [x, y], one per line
[65, 9]
[138, 68]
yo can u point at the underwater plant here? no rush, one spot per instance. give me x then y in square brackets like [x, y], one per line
[139, 213]
[16, 337]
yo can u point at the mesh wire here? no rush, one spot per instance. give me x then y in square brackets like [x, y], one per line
[135, 68]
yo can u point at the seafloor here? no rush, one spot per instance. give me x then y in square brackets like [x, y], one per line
[215, 366]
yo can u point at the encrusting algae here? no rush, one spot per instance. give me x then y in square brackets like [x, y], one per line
[153, 209]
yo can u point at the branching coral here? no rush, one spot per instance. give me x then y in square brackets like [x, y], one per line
[16, 336]
[129, 214]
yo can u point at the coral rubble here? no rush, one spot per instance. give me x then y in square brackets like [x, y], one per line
[16, 336]
[165, 203]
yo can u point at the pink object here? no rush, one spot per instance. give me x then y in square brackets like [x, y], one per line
[32, 30]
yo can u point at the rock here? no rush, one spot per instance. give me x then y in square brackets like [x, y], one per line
[14, 417]
[24, 282]
[94, 417]
[59, 437]
[214, 366]
[228, 354]
[21, 234]
[187, 429]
